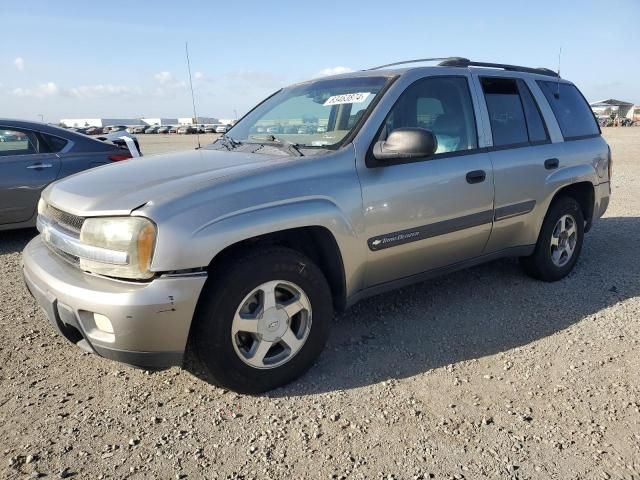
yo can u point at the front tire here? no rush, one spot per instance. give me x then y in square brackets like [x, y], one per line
[559, 243]
[262, 320]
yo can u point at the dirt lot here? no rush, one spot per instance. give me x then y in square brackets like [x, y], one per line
[483, 373]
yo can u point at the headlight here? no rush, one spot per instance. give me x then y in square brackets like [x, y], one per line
[134, 235]
[42, 206]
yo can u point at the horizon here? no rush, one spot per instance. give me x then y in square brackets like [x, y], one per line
[128, 61]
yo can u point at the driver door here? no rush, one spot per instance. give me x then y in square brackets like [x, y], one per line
[425, 213]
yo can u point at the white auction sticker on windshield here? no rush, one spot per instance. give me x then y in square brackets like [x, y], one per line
[347, 98]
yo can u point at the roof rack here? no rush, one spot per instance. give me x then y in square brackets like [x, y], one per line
[465, 62]
[417, 60]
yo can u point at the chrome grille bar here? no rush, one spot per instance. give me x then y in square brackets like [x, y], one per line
[73, 246]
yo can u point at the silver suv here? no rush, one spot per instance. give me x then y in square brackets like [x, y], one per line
[238, 253]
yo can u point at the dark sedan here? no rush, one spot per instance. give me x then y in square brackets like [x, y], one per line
[32, 155]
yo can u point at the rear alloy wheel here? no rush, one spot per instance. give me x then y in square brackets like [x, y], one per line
[262, 320]
[559, 243]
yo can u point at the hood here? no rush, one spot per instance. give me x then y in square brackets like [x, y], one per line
[119, 188]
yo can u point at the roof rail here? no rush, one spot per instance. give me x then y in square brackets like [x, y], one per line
[417, 60]
[464, 62]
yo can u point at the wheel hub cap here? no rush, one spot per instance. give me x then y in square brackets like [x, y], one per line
[271, 325]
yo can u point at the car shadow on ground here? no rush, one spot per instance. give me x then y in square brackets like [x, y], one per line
[462, 316]
[472, 313]
[14, 241]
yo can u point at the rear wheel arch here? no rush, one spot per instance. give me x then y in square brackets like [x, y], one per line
[315, 242]
[584, 194]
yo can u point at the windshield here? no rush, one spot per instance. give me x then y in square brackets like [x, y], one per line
[314, 114]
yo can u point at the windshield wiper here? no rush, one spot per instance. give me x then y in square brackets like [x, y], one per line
[290, 147]
[228, 142]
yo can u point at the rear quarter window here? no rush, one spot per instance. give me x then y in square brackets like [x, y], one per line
[572, 111]
[55, 144]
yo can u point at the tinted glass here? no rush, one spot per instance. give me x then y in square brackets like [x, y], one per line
[535, 123]
[442, 105]
[14, 142]
[55, 144]
[572, 111]
[508, 124]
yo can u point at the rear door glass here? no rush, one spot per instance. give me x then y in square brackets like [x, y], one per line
[535, 124]
[506, 113]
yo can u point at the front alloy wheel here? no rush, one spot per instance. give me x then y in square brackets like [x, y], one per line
[271, 325]
[262, 320]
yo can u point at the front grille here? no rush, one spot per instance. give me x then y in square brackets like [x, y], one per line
[64, 219]
[72, 259]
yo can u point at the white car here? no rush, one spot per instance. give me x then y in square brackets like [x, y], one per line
[222, 128]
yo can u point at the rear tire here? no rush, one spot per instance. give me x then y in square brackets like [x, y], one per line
[559, 243]
[262, 320]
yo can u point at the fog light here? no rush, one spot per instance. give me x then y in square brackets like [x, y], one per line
[103, 323]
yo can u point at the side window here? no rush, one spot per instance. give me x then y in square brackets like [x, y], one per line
[535, 123]
[54, 144]
[442, 105]
[16, 142]
[506, 114]
[570, 108]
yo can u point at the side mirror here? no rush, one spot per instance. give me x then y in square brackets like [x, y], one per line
[410, 142]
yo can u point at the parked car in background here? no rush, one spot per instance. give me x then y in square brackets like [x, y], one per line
[187, 129]
[93, 131]
[119, 138]
[173, 129]
[32, 155]
[152, 129]
[138, 129]
[222, 128]
[116, 128]
[164, 129]
[210, 129]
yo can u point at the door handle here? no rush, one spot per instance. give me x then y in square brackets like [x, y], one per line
[38, 166]
[551, 163]
[476, 176]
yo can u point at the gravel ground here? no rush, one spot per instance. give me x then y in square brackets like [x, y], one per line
[482, 373]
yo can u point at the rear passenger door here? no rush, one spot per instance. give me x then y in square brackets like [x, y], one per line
[26, 167]
[522, 155]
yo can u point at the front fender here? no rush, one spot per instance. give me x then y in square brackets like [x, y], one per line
[209, 239]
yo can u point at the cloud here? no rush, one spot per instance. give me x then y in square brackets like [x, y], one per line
[333, 71]
[199, 76]
[19, 63]
[41, 91]
[168, 84]
[50, 89]
[99, 91]
[163, 77]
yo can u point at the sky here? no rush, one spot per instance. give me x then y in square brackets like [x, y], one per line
[126, 59]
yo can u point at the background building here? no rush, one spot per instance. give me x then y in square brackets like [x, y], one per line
[99, 122]
[159, 121]
[618, 108]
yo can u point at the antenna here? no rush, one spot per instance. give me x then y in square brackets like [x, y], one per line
[193, 98]
[559, 59]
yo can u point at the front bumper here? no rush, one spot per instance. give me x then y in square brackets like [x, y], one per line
[150, 322]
